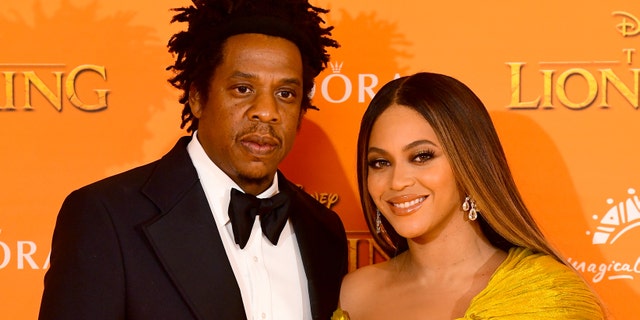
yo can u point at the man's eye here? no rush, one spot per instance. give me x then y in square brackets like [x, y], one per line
[243, 89]
[287, 94]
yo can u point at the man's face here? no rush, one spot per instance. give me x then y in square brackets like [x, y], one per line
[251, 118]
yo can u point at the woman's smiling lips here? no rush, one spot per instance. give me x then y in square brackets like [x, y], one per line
[404, 205]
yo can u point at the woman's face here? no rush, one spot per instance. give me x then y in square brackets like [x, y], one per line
[410, 178]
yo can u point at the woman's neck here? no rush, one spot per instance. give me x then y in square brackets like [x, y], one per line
[464, 252]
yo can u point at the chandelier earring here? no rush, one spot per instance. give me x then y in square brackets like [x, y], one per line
[378, 221]
[469, 206]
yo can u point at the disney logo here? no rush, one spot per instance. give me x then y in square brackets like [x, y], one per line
[630, 24]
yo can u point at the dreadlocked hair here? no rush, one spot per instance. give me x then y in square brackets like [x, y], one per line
[198, 50]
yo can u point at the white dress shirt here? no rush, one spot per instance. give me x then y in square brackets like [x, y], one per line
[271, 278]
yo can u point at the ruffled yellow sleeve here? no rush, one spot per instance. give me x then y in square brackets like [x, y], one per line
[534, 286]
[340, 315]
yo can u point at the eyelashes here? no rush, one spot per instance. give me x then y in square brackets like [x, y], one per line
[417, 158]
[424, 156]
[377, 163]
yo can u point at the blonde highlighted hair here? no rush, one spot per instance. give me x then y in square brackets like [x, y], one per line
[471, 144]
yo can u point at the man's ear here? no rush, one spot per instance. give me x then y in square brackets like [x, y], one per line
[194, 102]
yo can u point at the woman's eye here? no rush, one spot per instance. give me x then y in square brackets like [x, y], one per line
[423, 156]
[378, 163]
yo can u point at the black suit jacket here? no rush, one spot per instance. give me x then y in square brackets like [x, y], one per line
[143, 245]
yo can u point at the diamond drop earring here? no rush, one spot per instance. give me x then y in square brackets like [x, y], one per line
[470, 206]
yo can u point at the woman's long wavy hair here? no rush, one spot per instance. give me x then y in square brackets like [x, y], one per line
[472, 147]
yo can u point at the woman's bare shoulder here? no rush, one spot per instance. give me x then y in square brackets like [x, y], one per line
[371, 274]
[359, 285]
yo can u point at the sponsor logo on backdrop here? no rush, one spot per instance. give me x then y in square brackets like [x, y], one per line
[628, 26]
[621, 218]
[21, 255]
[598, 76]
[325, 198]
[57, 83]
[339, 88]
[616, 223]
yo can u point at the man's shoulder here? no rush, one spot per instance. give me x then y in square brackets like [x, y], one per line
[137, 177]
[124, 182]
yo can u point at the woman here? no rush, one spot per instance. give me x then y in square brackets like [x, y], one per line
[439, 199]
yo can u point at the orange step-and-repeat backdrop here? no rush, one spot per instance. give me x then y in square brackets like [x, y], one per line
[83, 95]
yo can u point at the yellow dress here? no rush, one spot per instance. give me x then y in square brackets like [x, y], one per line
[532, 286]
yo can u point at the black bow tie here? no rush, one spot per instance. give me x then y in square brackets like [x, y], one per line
[244, 208]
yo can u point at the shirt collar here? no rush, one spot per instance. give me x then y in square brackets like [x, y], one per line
[216, 184]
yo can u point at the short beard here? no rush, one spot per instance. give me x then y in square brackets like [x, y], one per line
[245, 180]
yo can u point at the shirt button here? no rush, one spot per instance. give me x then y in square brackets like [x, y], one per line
[255, 259]
[264, 315]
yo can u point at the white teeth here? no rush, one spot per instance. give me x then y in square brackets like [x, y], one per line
[408, 204]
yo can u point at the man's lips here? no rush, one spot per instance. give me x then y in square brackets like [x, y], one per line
[259, 144]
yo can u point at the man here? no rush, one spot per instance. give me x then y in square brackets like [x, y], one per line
[163, 241]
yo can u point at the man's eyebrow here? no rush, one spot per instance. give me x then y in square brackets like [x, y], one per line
[248, 76]
[244, 75]
[294, 81]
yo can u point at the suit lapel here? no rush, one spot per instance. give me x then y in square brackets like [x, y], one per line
[322, 263]
[312, 261]
[186, 240]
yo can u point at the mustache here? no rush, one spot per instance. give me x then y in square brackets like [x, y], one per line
[262, 129]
